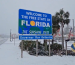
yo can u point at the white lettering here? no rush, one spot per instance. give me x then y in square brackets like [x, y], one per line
[44, 24]
[44, 15]
[22, 16]
[48, 25]
[27, 23]
[42, 19]
[25, 31]
[28, 13]
[48, 19]
[37, 37]
[31, 17]
[22, 22]
[26, 17]
[40, 23]
[37, 23]
[34, 14]
[34, 32]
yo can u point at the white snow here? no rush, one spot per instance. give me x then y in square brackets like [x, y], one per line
[10, 54]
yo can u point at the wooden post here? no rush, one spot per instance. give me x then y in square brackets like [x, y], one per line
[49, 47]
[66, 47]
[22, 49]
[36, 47]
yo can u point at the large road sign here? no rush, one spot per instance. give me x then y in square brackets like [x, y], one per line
[32, 22]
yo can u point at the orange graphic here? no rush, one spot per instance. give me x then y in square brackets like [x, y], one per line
[32, 23]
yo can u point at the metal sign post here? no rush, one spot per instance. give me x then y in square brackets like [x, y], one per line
[49, 47]
[36, 47]
[66, 46]
[22, 49]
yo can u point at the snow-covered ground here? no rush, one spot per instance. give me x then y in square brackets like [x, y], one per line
[10, 54]
[2, 40]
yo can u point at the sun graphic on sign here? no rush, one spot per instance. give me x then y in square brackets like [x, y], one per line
[32, 23]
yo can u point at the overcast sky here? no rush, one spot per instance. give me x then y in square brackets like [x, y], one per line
[9, 11]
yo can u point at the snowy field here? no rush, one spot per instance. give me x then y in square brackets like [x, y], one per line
[2, 40]
[10, 54]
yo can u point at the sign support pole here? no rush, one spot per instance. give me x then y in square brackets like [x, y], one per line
[36, 47]
[49, 47]
[66, 47]
[22, 49]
